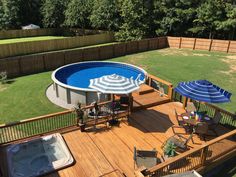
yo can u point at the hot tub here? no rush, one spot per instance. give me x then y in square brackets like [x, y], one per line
[39, 156]
[71, 82]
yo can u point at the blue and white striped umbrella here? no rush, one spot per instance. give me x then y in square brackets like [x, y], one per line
[114, 84]
[203, 90]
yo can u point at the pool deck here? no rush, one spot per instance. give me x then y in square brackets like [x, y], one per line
[109, 151]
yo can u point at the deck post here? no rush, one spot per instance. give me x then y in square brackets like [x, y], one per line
[203, 156]
[170, 91]
[185, 102]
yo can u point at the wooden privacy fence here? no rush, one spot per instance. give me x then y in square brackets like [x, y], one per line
[202, 44]
[29, 64]
[9, 34]
[197, 158]
[23, 48]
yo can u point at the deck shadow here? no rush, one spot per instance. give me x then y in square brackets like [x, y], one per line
[150, 120]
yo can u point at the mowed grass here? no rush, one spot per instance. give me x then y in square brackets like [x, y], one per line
[25, 97]
[29, 39]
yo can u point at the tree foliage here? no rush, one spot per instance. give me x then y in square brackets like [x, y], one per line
[105, 15]
[77, 13]
[53, 13]
[135, 24]
[130, 19]
[11, 16]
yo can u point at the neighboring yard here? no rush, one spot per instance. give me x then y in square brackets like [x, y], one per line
[25, 97]
[29, 39]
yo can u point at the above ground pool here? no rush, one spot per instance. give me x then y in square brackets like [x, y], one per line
[71, 82]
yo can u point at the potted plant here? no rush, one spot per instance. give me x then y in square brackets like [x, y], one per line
[80, 116]
[169, 149]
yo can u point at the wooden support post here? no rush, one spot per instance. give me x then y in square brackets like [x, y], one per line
[210, 45]
[194, 44]
[185, 102]
[180, 42]
[170, 92]
[149, 81]
[203, 156]
[228, 47]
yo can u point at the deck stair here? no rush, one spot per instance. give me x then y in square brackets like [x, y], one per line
[144, 89]
[147, 97]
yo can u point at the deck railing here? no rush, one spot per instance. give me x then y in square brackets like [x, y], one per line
[201, 156]
[160, 85]
[44, 124]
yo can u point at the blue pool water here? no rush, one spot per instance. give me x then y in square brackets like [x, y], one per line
[79, 74]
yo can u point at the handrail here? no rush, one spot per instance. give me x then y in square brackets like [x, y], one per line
[160, 80]
[46, 116]
[169, 85]
[187, 153]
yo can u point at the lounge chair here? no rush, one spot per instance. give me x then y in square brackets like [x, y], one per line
[145, 158]
[181, 123]
[180, 141]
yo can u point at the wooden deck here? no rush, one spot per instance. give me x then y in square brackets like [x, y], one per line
[146, 97]
[109, 151]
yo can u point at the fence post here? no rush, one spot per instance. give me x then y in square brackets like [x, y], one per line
[210, 45]
[228, 47]
[203, 155]
[180, 42]
[194, 44]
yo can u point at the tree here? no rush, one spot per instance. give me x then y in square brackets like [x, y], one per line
[105, 14]
[174, 17]
[77, 13]
[228, 25]
[135, 20]
[53, 13]
[11, 17]
[1, 16]
[30, 12]
[208, 15]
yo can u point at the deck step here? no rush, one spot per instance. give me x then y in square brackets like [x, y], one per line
[144, 89]
[148, 100]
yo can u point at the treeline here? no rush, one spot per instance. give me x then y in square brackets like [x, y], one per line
[130, 19]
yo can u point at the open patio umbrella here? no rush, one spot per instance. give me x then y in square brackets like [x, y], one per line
[114, 84]
[203, 90]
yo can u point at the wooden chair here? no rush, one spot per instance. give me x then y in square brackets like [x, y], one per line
[214, 123]
[146, 158]
[181, 124]
[190, 107]
[180, 141]
[201, 129]
[124, 102]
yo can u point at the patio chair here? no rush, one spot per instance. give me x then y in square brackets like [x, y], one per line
[181, 123]
[214, 123]
[145, 158]
[201, 129]
[124, 102]
[190, 107]
[180, 141]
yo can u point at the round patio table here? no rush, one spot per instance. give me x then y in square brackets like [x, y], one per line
[186, 118]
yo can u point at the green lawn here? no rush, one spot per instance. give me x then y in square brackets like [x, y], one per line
[25, 96]
[29, 39]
